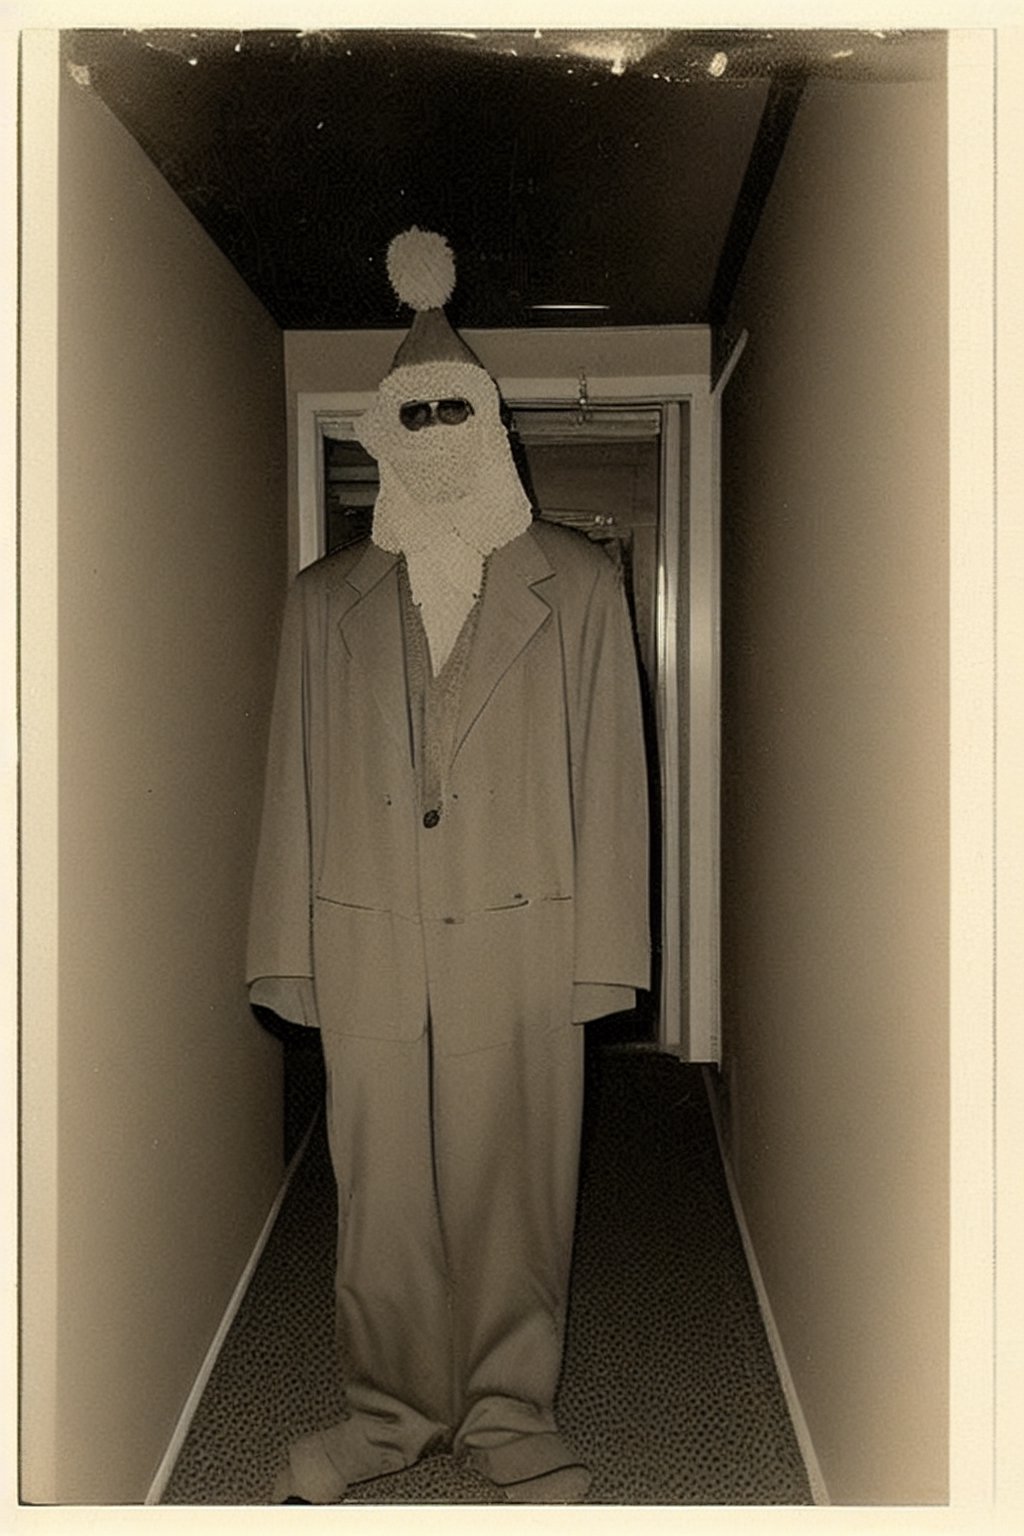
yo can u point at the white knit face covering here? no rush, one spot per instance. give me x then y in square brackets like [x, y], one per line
[449, 495]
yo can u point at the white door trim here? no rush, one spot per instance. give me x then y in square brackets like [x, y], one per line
[703, 669]
[672, 1011]
[705, 721]
[319, 416]
[688, 1015]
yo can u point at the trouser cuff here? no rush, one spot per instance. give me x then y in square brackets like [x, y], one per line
[321, 1466]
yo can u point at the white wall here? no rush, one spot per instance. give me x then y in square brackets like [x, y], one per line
[836, 779]
[152, 1119]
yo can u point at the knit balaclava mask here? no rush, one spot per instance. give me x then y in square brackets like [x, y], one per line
[449, 491]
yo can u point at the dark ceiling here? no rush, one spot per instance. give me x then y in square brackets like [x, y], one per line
[622, 169]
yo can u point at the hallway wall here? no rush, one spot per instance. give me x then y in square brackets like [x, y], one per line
[154, 1153]
[835, 779]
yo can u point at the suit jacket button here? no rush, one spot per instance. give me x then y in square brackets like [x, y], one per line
[431, 818]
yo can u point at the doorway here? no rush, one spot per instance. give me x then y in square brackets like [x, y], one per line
[599, 469]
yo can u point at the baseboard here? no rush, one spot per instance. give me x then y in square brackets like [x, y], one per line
[819, 1491]
[181, 1429]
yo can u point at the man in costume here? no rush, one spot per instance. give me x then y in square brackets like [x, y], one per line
[452, 878]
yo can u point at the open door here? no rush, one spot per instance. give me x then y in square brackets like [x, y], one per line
[599, 471]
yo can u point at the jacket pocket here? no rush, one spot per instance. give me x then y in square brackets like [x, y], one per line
[369, 971]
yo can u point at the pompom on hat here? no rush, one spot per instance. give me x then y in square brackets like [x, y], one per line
[421, 269]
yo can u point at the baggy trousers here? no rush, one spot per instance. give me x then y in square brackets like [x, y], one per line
[457, 1178]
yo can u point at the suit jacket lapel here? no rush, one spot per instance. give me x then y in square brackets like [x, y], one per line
[510, 614]
[371, 629]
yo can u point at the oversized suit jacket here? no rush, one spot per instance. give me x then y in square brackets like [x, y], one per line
[525, 905]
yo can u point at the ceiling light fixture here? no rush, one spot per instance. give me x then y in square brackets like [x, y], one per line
[570, 306]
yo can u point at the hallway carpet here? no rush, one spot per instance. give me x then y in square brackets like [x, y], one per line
[669, 1389]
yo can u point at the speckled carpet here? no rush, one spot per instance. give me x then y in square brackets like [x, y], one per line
[669, 1390]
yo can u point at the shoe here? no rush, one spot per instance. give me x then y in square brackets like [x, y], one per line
[536, 1467]
[284, 1489]
[565, 1485]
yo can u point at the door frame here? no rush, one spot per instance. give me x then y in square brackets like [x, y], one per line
[688, 651]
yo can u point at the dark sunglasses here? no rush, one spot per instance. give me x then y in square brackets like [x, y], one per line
[419, 413]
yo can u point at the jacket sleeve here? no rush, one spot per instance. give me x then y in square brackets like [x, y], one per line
[279, 965]
[609, 772]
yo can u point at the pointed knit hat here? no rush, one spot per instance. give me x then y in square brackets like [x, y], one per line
[448, 499]
[421, 269]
